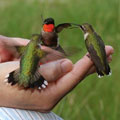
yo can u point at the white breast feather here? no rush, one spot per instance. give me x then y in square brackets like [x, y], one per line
[85, 35]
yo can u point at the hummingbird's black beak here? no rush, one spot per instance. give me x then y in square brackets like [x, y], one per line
[81, 28]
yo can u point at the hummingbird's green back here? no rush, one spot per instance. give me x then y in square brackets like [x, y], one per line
[30, 61]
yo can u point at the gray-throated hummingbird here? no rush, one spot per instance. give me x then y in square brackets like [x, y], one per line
[96, 49]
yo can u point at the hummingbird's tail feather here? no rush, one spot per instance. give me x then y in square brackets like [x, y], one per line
[12, 77]
[107, 70]
[40, 83]
[100, 73]
[36, 80]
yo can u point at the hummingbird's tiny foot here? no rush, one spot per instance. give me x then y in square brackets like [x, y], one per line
[45, 82]
[7, 76]
[6, 80]
[43, 86]
[39, 88]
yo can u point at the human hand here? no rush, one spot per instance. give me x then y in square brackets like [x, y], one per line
[8, 51]
[7, 48]
[62, 76]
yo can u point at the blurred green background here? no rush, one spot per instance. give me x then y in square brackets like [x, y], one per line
[94, 98]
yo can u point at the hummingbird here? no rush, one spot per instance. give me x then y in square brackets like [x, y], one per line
[28, 75]
[49, 34]
[96, 49]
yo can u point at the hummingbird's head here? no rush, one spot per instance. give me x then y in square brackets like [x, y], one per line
[48, 21]
[86, 28]
[48, 25]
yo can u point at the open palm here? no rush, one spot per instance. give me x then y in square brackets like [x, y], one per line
[61, 75]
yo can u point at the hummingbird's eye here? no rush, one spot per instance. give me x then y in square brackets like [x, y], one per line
[84, 28]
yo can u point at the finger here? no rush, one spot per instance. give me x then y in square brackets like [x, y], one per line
[13, 41]
[8, 67]
[20, 41]
[54, 70]
[8, 53]
[109, 58]
[109, 50]
[50, 71]
[71, 79]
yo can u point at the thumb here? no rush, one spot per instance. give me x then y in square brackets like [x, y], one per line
[70, 80]
[50, 71]
[54, 70]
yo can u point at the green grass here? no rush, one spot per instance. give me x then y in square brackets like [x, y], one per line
[93, 99]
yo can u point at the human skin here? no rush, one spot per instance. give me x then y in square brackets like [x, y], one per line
[62, 76]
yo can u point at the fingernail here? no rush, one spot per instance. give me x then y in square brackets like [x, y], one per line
[66, 66]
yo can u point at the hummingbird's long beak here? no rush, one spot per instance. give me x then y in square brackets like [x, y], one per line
[78, 25]
[81, 27]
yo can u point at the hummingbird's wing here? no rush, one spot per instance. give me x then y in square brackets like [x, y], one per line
[60, 27]
[100, 42]
[94, 56]
[20, 49]
[102, 48]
